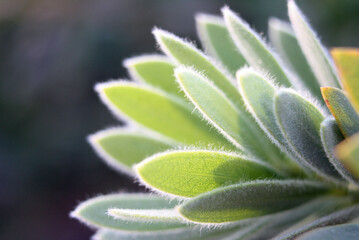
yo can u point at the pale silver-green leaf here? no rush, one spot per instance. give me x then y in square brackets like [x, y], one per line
[248, 200]
[343, 231]
[93, 212]
[285, 42]
[338, 217]
[217, 41]
[236, 125]
[317, 56]
[299, 121]
[253, 48]
[186, 54]
[331, 136]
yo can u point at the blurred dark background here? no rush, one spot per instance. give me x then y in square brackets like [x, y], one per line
[51, 55]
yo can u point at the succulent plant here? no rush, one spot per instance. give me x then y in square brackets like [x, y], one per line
[235, 143]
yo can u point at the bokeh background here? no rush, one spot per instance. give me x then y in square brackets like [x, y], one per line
[51, 55]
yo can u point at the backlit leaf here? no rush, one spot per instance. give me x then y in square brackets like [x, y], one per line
[247, 200]
[253, 48]
[347, 62]
[154, 70]
[218, 43]
[121, 148]
[190, 173]
[165, 114]
[343, 112]
[186, 54]
[316, 54]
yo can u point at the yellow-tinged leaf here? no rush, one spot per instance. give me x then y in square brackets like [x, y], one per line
[348, 152]
[347, 63]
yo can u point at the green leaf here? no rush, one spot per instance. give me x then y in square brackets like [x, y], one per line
[344, 231]
[286, 43]
[285, 220]
[299, 121]
[316, 54]
[348, 153]
[218, 43]
[338, 217]
[331, 136]
[156, 110]
[247, 200]
[253, 48]
[258, 95]
[93, 212]
[155, 70]
[190, 173]
[231, 122]
[121, 148]
[145, 215]
[185, 233]
[347, 62]
[343, 112]
[186, 54]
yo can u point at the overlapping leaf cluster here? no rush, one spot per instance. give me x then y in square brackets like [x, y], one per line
[237, 141]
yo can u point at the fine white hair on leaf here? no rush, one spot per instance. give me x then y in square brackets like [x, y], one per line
[316, 54]
[145, 215]
[129, 64]
[100, 89]
[94, 139]
[286, 72]
[202, 111]
[157, 32]
[76, 213]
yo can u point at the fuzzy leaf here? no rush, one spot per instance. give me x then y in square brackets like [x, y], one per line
[253, 48]
[285, 220]
[185, 233]
[121, 148]
[190, 173]
[331, 136]
[231, 122]
[286, 43]
[347, 62]
[186, 54]
[338, 217]
[344, 231]
[145, 215]
[154, 70]
[316, 54]
[218, 43]
[343, 112]
[247, 200]
[258, 95]
[158, 111]
[299, 121]
[348, 153]
[93, 212]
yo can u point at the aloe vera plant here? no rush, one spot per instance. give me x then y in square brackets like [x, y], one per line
[236, 142]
